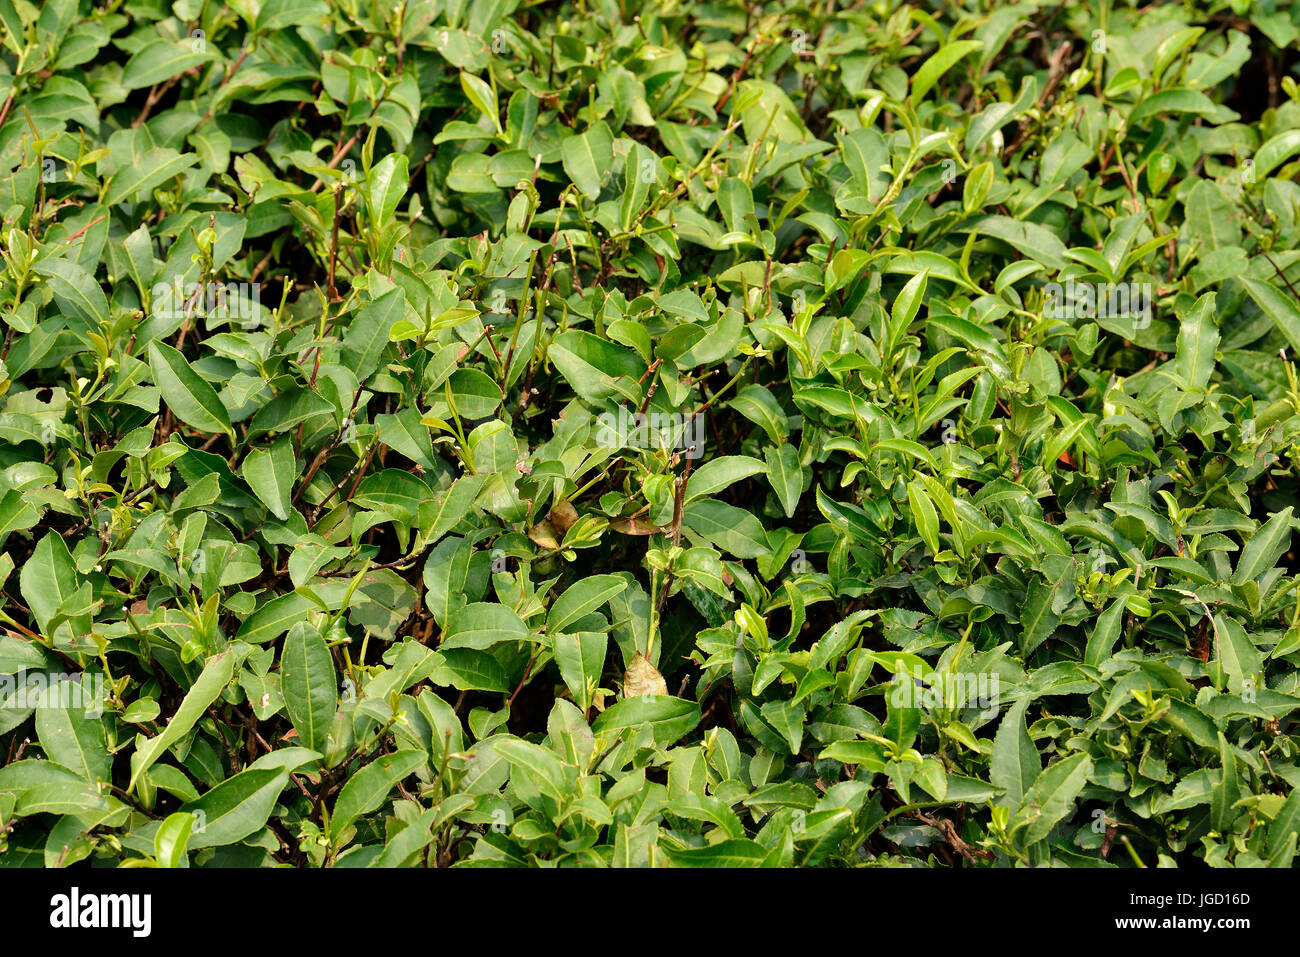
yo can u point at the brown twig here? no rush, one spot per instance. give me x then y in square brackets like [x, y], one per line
[224, 80]
[522, 681]
[1281, 274]
[1056, 69]
[740, 71]
[360, 466]
[80, 232]
[156, 93]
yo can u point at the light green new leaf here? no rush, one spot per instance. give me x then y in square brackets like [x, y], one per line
[1269, 156]
[481, 94]
[216, 674]
[785, 475]
[638, 175]
[1198, 339]
[388, 182]
[924, 516]
[939, 64]
[172, 838]
[1284, 311]
[580, 658]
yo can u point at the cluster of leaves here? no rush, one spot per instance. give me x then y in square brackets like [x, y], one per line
[316, 319]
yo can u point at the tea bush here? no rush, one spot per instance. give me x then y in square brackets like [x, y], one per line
[689, 434]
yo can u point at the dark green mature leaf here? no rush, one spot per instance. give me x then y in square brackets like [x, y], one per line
[1283, 312]
[367, 335]
[717, 474]
[732, 529]
[1015, 763]
[1197, 341]
[48, 578]
[146, 172]
[75, 739]
[588, 158]
[309, 684]
[237, 807]
[275, 618]
[920, 409]
[270, 473]
[481, 625]
[75, 286]
[1051, 798]
[581, 658]
[162, 60]
[737, 852]
[581, 599]
[186, 393]
[1265, 547]
[785, 475]
[669, 718]
[367, 788]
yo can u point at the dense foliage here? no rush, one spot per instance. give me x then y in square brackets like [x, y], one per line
[697, 433]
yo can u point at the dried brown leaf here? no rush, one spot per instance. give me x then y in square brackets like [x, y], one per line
[634, 526]
[642, 678]
[562, 516]
[543, 533]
